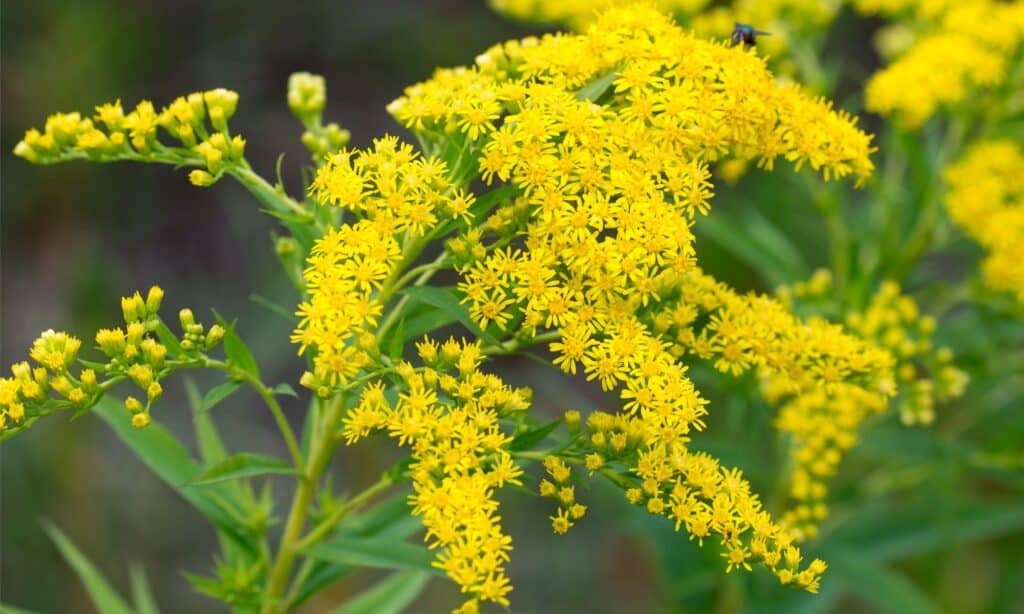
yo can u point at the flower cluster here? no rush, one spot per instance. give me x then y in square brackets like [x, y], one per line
[833, 379]
[580, 13]
[27, 395]
[447, 413]
[739, 332]
[397, 198]
[569, 511]
[606, 136]
[695, 491]
[665, 97]
[134, 353]
[823, 423]
[198, 122]
[985, 197]
[968, 46]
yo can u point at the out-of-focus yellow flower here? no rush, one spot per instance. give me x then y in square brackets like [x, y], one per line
[966, 47]
[823, 423]
[985, 197]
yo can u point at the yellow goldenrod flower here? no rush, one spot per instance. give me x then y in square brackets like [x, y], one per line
[459, 458]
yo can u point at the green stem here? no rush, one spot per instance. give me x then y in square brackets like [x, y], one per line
[320, 452]
[922, 234]
[514, 345]
[328, 524]
[272, 197]
[268, 397]
[427, 271]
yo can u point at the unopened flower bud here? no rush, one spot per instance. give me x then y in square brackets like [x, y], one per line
[201, 178]
[154, 298]
[214, 336]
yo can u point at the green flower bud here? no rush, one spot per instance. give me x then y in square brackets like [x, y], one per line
[186, 318]
[307, 96]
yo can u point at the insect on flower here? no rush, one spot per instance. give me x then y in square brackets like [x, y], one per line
[746, 34]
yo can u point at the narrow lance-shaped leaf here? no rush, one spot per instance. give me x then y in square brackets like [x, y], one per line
[235, 349]
[389, 596]
[142, 595]
[374, 552]
[166, 457]
[244, 465]
[446, 300]
[102, 594]
[217, 394]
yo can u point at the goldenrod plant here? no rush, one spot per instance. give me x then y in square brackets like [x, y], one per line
[555, 198]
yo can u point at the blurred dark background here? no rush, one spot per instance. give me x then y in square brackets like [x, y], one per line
[78, 236]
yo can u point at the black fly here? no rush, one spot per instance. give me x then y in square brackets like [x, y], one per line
[745, 34]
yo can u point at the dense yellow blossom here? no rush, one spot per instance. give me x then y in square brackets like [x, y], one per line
[664, 96]
[744, 332]
[966, 48]
[606, 137]
[447, 413]
[985, 197]
[782, 19]
[397, 198]
[580, 13]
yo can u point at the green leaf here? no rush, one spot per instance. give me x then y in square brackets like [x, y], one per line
[446, 300]
[389, 596]
[373, 552]
[274, 307]
[879, 585]
[527, 440]
[142, 595]
[390, 519]
[323, 574]
[596, 88]
[10, 609]
[168, 338]
[166, 457]
[430, 320]
[244, 465]
[97, 366]
[217, 394]
[235, 349]
[285, 389]
[397, 341]
[102, 594]
[895, 532]
[756, 242]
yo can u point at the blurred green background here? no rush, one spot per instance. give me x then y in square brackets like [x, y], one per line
[78, 236]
